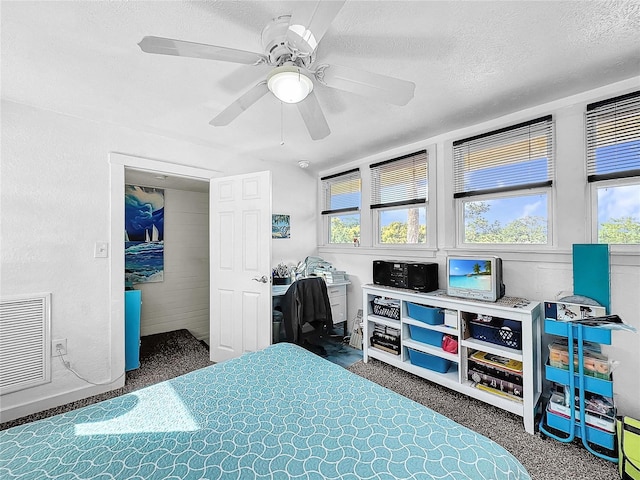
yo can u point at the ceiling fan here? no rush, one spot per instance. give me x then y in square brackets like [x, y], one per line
[290, 43]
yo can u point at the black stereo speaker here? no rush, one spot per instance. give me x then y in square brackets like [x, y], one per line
[381, 272]
[421, 277]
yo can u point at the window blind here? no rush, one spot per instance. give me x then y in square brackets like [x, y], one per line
[401, 181]
[512, 158]
[341, 192]
[613, 138]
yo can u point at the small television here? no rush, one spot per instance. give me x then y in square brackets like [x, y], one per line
[477, 277]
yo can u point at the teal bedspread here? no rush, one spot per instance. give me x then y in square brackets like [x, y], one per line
[280, 413]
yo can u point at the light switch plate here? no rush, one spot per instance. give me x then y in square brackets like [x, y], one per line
[101, 250]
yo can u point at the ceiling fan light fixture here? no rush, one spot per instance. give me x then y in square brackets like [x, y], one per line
[289, 84]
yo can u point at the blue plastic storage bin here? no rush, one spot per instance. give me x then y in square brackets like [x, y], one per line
[431, 362]
[496, 333]
[589, 334]
[425, 335]
[591, 384]
[132, 308]
[594, 435]
[430, 315]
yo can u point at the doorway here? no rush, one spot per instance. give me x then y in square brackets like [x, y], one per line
[120, 165]
[170, 271]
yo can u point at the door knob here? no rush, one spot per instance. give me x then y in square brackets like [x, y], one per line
[262, 279]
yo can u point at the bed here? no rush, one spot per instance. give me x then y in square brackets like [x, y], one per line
[279, 413]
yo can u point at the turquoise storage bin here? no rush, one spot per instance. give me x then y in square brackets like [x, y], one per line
[424, 335]
[589, 334]
[431, 362]
[430, 315]
[132, 309]
[591, 384]
[593, 435]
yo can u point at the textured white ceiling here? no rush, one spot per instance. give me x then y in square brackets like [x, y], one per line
[470, 61]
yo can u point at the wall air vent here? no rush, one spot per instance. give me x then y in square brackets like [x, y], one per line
[25, 342]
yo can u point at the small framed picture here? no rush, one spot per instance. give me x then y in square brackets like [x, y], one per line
[280, 226]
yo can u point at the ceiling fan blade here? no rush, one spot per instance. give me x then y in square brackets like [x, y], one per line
[180, 48]
[309, 22]
[313, 117]
[240, 105]
[373, 85]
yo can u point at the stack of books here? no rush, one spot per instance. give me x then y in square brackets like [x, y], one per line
[495, 374]
[386, 338]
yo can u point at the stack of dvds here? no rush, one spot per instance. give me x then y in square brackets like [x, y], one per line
[386, 338]
[495, 374]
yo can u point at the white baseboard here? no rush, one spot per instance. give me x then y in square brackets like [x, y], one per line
[19, 411]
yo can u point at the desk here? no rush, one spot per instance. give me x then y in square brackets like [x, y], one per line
[337, 298]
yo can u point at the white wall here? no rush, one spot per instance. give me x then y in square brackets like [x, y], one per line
[181, 300]
[540, 274]
[55, 204]
[299, 202]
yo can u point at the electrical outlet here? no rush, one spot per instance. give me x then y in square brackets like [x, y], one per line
[59, 347]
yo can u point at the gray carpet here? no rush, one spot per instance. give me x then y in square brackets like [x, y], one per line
[168, 355]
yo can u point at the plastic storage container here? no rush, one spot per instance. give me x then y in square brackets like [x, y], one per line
[595, 364]
[589, 334]
[430, 315]
[132, 309]
[431, 362]
[591, 384]
[386, 308]
[497, 333]
[425, 335]
[593, 435]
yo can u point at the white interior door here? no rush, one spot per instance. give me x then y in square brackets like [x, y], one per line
[240, 230]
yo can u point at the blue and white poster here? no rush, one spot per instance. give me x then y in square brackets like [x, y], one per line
[143, 234]
[280, 226]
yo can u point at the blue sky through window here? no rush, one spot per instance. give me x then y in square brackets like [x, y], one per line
[507, 209]
[508, 175]
[618, 202]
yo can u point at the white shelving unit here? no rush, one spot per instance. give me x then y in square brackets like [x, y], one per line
[528, 313]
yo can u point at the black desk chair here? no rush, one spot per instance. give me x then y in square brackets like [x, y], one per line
[307, 313]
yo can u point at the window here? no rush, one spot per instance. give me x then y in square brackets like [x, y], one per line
[502, 183]
[613, 168]
[399, 199]
[342, 206]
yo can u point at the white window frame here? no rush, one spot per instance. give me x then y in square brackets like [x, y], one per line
[377, 227]
[511, 191]
[593, 193]
[620, 178]
[326, 220]
[460, 230]
[429, 205]
[327, 229]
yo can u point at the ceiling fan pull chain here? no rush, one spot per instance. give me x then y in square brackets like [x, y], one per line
[281, 123]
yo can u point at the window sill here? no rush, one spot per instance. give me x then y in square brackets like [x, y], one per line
[396, 251]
